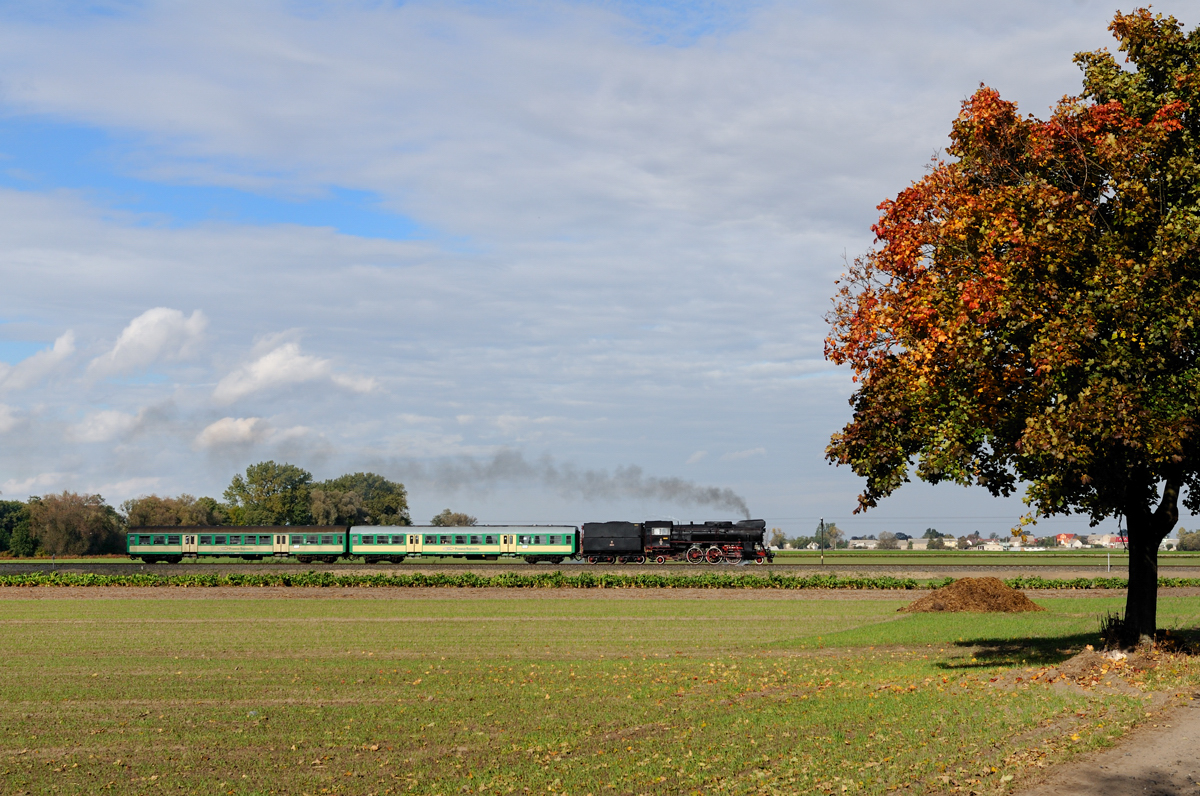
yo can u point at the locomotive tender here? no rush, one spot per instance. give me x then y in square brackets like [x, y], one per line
[600, 542]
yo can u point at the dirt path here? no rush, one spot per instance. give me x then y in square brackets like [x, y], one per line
[1162, 758]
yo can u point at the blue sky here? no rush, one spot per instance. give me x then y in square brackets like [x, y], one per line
[504, 252]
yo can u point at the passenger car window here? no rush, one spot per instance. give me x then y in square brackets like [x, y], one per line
[368, 539]
[205, 540]
[310, 539]
[218, 540]
[430, 540]
[327, 539]
[172, 540]
[489, 540]
[523, 540]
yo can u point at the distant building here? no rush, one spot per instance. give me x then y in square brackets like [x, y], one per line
[992, 545]
[864, 544]
[1064, 539]
[919, 544]
[1168, 544]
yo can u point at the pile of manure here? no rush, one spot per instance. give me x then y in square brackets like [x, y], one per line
[979, 595]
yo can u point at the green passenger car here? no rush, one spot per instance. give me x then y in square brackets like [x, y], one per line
[172, 544]
[534, 543]
[155, 544]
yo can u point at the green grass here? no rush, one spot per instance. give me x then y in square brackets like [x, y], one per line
[1098, 559]
[539, 693]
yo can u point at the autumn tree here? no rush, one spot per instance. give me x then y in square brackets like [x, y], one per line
[888, 541]
[150, 510]
[1028, 314]
[450, 518]
[270, 494]
[73, 524]
[1189, 540]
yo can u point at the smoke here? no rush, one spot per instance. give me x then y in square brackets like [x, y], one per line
[624, 482]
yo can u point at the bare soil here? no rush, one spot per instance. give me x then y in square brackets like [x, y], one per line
[979, 595]
[1159, 758]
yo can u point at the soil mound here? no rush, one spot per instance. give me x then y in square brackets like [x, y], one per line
[979, 595]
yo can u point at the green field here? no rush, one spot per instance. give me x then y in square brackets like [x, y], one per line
[543, 693]
[966, 558]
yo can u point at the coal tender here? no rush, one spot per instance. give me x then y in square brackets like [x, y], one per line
[662, 541]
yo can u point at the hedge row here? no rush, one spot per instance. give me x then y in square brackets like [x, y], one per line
[550, 580]
[545, 580]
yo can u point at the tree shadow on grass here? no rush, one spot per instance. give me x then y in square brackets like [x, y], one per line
[1039, 651]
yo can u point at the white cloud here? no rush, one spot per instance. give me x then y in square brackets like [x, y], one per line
[102, 426]
[281, 367]
[33, 370]
[159, 333]
[696, 457]
[116, 491]
[32, 485]
[8, 418]
[232, 431]
[354, 383]
[746, 454]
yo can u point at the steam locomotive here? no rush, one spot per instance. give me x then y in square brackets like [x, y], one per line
[600, 542]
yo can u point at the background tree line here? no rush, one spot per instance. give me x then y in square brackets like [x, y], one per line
[72, 524]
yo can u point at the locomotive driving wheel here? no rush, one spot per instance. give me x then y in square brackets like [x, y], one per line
[591, 559]
[660, 560]
[760, 559]
[714, 555]
[639, 559]
[695, 555]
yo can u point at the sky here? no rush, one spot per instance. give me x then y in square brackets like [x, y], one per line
[541, 261]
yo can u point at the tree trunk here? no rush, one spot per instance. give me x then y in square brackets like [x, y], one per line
[1146, 531]
[1141, 600]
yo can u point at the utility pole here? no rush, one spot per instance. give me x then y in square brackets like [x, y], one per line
[821, 540]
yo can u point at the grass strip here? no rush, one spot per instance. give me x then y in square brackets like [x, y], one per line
[550, 580]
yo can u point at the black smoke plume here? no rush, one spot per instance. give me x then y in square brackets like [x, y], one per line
[624, 482]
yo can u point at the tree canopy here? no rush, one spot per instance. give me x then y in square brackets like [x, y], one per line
[183, 510]
[450, 518]
[270, 494]
[1028, 315]
[361, 499]
[74, 524]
